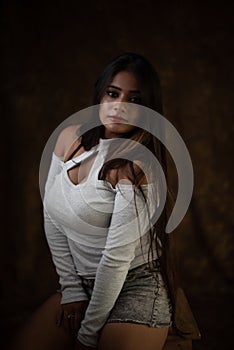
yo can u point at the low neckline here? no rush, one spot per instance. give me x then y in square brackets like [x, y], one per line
[73, 162]
[101, 146]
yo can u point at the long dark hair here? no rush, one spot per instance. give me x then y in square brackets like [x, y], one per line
[149, 86]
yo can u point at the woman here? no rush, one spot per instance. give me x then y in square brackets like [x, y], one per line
[115, 272]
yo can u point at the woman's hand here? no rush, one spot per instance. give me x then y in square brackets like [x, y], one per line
[70, 316]
[80, 346]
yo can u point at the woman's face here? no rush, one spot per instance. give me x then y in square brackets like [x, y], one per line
[116, 115]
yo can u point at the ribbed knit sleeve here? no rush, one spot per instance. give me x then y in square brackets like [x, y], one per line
[69, 280]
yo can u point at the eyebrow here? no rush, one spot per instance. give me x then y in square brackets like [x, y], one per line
[118, 88]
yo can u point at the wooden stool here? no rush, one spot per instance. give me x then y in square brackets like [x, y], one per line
[186, 323]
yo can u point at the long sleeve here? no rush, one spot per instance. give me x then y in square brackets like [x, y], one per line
[70, 282]
[71, 286]
[123, 237]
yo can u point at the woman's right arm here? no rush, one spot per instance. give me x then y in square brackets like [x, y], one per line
[74, 299]
[70, 282]
[71, 285]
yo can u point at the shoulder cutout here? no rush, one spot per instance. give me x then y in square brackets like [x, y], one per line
[65, 140]
[125, 176]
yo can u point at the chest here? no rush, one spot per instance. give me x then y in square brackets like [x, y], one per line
[79, 172]
[73, 206]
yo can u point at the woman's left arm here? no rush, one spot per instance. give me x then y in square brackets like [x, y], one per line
[123, 237]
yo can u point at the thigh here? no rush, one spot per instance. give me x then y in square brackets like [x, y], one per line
[40, 331]
[132, 336]
[141, 316]
[143, 299]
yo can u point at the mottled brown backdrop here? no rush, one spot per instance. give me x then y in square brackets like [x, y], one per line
[51, 54]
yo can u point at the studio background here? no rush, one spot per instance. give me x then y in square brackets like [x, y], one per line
[52, 53]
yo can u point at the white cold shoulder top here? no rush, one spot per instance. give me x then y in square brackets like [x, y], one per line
[94, 231]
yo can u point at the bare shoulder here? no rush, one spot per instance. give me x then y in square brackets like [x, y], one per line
[66, 139]
[125, 175]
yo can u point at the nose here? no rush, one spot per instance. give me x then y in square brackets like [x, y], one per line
[120, 107]
[119, 104]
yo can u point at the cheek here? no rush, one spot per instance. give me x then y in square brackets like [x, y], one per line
[134, 112]
[102, 110]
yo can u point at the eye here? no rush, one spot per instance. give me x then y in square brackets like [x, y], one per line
[112, 94]
[135, 99]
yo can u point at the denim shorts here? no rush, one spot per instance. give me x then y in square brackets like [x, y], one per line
[143, 299]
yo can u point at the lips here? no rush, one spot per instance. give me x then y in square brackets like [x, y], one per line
[116, 119]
